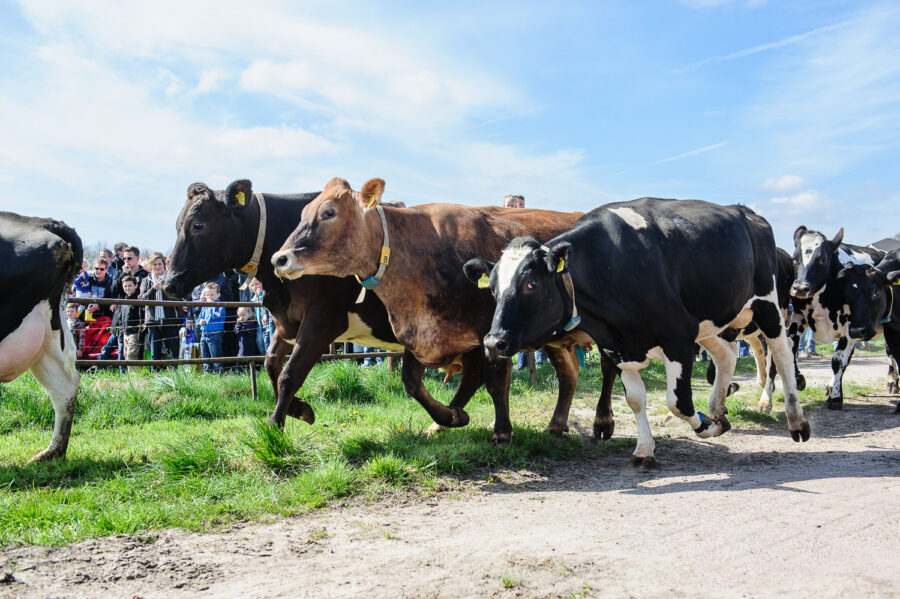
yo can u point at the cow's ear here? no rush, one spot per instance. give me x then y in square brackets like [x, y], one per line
[838, 238]
[800, 232]
[893, 277]
[479, 272]
[370, 194]
[195, 189]
[558, 257]
[879, 277]
[842, 274]
[238, 194]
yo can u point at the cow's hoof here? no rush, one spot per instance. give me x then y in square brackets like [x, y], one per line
[642, 462]
[828, 390]
[603, 431]
[48, 454]
[434, 429]
[764, 405]
[301, 410]
[460, 418]
[501, 438]
[276, 422]
[558, 431]
[801, 382]
[802, 434]
[892, 388]
[897, 411]
[724, 425]
[732, 389]
[836, 403]
[649, 463]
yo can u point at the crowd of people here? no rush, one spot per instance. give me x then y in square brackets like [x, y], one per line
[129, 332]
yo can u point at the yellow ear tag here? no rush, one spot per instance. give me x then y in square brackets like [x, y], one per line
[484, 282]
[371, 201]
[239, 196]
[561, 265]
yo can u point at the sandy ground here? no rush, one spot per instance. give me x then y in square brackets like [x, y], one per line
[750, 514]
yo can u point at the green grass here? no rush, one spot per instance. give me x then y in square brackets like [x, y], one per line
[182, 449]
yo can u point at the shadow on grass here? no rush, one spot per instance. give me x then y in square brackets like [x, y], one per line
[63, 473]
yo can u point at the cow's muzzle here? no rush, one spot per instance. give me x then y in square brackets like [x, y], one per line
[286, 265]
[861, 333]
[801, 290]
[499, 345]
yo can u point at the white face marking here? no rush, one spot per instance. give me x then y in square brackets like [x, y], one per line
[507, 265]
[361, 334]
[808, 244]
[850, 257]
[631, 217]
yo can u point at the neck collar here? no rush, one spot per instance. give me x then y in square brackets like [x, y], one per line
[375, 280]
[575, 320]
[890, 306]
[251, 267]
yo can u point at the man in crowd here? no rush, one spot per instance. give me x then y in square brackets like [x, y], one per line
[131, 257]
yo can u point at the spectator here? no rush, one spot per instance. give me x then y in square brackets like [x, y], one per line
[162, 322]
[245, 331]
[265, 326]
[120, 253]
[107, 254]
[130, 266]
[127, 321]
[97, 284]
[211, 323]
[76, 325]
[808, 343]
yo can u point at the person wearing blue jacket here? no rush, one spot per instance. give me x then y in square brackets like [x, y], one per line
[212, 324]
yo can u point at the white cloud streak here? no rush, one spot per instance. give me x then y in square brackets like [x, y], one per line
[693, 152]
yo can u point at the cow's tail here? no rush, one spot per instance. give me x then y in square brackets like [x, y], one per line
[68, 270]
[73, 262]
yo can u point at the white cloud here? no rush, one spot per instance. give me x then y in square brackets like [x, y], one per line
[782, 184]
[804, 200]
[693, 152]
[210, 80]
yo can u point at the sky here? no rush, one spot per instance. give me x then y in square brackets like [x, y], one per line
[109, 111]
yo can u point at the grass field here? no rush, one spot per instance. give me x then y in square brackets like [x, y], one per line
[180, 449]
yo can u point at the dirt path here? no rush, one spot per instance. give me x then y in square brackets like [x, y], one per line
[750, 514]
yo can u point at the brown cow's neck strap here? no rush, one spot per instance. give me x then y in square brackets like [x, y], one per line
[383, 261]
[252, 267]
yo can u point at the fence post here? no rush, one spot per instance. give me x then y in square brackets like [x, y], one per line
[253, 380]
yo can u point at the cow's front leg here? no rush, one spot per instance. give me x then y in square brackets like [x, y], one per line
[496, 381]
[412, 372]
[725, 356]
[839, 362]
[636, 396]
[566, 364]
[604, 425]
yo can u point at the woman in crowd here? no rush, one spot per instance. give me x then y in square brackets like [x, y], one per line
[162, 322]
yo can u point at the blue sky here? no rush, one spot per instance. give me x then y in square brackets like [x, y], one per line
[108, 111]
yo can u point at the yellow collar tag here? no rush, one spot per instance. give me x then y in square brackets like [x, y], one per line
[385, 255]
[484, 282]
[241, 199]
[561, 265]
[248, 267]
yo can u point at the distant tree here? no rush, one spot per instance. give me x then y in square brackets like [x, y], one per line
[896, 235]
[92, 251]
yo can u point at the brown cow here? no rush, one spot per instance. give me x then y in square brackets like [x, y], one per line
[436, 313]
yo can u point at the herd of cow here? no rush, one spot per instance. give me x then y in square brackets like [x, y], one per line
[465, 288]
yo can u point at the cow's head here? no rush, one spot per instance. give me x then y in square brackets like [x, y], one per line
[814, 258]
[334, 236]
[208, 230]
[532, 301]
[868, 295]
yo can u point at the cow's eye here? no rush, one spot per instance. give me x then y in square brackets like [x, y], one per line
[197, 227]
[328, 214]
[530, 285]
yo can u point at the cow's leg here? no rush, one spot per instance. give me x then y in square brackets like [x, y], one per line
[636, 396]
[285, 387]
[795, 332]
[892, 348]
[566, 364]
[55, 371]
[765, 401]
[839, 362]
[679, 396]
[604, 425]
[759, 357]
[768, 317]
[725, 356]
[496, 381]
[452, 416]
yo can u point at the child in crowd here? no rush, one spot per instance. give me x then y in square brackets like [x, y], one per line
[127, 321]
[212, 323]
[245, 329]
[77, 327]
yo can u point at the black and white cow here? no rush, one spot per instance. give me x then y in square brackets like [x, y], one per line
[890, 268]
[648, 279]
[40, 258]
[819, 301]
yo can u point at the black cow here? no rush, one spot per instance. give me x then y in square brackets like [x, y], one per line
[890, 268]
[819, 301]
[649, 279]
[40, 258]
[219, 230]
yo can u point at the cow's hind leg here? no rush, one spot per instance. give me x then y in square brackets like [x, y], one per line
[679, 396]
[759, 356]
[839, 362]
[725, 356]
[55, 371]
[768, 317]
[636, 396]
[565, 362]
[765, 401]
[604, 425]
[454, 415]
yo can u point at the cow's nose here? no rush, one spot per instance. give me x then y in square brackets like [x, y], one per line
[801, 290]
[858, 332]
[280, 259]
[496, 344]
